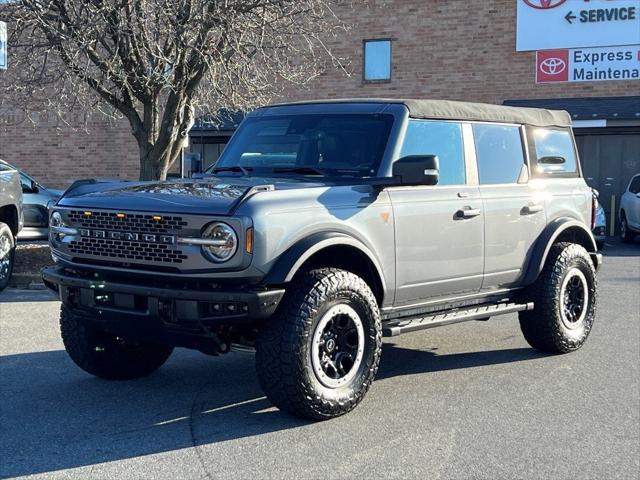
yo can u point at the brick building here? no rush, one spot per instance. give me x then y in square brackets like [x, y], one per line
[414, 48]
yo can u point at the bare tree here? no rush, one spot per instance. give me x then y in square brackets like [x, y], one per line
[159, 63]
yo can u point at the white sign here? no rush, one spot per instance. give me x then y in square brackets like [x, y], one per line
[549, 24]
[3, 46]
[588, 64]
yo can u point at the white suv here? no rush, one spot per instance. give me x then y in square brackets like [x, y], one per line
[630, 210]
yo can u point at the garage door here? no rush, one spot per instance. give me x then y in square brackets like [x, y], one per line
[608, 163]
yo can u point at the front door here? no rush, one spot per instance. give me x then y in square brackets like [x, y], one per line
[439, 229]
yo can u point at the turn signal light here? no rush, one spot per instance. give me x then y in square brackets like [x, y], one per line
[248, 244]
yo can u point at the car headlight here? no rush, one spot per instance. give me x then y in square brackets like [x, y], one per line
[56, 219]
[221, 242]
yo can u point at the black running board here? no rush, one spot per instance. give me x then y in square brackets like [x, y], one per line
[482, 312]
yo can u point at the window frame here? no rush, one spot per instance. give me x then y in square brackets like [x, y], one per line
[533, 154]
[525, 173]
[364, 60]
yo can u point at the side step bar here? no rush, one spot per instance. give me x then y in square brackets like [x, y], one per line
[482, 312]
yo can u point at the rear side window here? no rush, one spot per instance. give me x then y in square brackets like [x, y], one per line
[443, 139]
[555, 152]
[499, 153]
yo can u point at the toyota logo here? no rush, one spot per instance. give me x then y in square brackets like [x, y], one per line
[553, 66]
[544, 4]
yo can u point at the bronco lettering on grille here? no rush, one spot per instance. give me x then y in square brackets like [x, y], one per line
[128, 236]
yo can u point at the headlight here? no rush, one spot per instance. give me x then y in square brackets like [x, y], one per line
[56, 219]
[221, 242]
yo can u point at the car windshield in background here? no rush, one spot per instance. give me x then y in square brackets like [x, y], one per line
[309, 145]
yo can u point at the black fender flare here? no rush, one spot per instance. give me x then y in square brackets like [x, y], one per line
[289, 262]
[549, 236]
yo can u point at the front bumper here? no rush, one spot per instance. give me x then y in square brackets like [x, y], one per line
[112, 300]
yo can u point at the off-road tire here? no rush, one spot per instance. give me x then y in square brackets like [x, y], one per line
[105, 355]
[6, 235]
[543, 327]
[626, 234]
[284, 348]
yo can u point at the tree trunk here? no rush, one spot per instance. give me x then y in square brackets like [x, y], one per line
[160, 143]
[148, 164]
[154, 168]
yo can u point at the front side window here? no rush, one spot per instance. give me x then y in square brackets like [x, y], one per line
[499, 153]
[377, 60]
[634, 187]
[329, 144]
[555, 152]
[443, 139]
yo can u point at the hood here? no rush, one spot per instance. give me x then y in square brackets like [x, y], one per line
[212, 195]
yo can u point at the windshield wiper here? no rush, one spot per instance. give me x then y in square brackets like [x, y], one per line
[301, 170]
[233, 168]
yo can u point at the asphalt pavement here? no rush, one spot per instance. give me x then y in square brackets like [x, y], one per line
[466, 401]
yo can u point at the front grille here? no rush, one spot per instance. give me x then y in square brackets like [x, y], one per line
[132, 222]
[130, 250]
[150, 252]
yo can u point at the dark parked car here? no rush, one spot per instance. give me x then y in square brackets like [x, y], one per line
[10, 220]
[36, 199]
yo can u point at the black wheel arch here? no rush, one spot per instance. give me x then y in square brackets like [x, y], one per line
[9, 215]
[559, 230]
[331, 249]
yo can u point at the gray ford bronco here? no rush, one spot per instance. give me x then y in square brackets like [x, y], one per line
[323, 227]
[11, 219]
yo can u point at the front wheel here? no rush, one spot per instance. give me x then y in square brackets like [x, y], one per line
[7, 254]
[564, 297]
[105, 355]
[319, 355]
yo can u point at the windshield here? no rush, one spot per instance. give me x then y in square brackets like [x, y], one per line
[309, 145]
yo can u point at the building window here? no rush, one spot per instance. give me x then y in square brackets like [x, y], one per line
[377, 60]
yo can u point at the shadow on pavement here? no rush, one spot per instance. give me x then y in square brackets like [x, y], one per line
[614, 247]
[56, 417]
[15, 295]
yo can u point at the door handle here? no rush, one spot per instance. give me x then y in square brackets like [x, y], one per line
[531, 209]
[468, 212]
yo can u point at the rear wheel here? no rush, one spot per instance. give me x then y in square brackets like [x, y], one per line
[626, 234]
[564, 297]
[319, 355]
[105, 355]
[7, 254]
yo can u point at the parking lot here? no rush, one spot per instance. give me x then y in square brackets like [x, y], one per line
[465, 401]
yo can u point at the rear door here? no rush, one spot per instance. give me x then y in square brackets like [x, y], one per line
[514, 209]
[439, 229]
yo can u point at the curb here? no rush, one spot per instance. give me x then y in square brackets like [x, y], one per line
[29, 281]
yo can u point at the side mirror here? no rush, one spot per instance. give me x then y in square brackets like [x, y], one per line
[417, 170]
[551, 160]
[32, 187]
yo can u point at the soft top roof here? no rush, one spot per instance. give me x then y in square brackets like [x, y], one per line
[452, 110]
